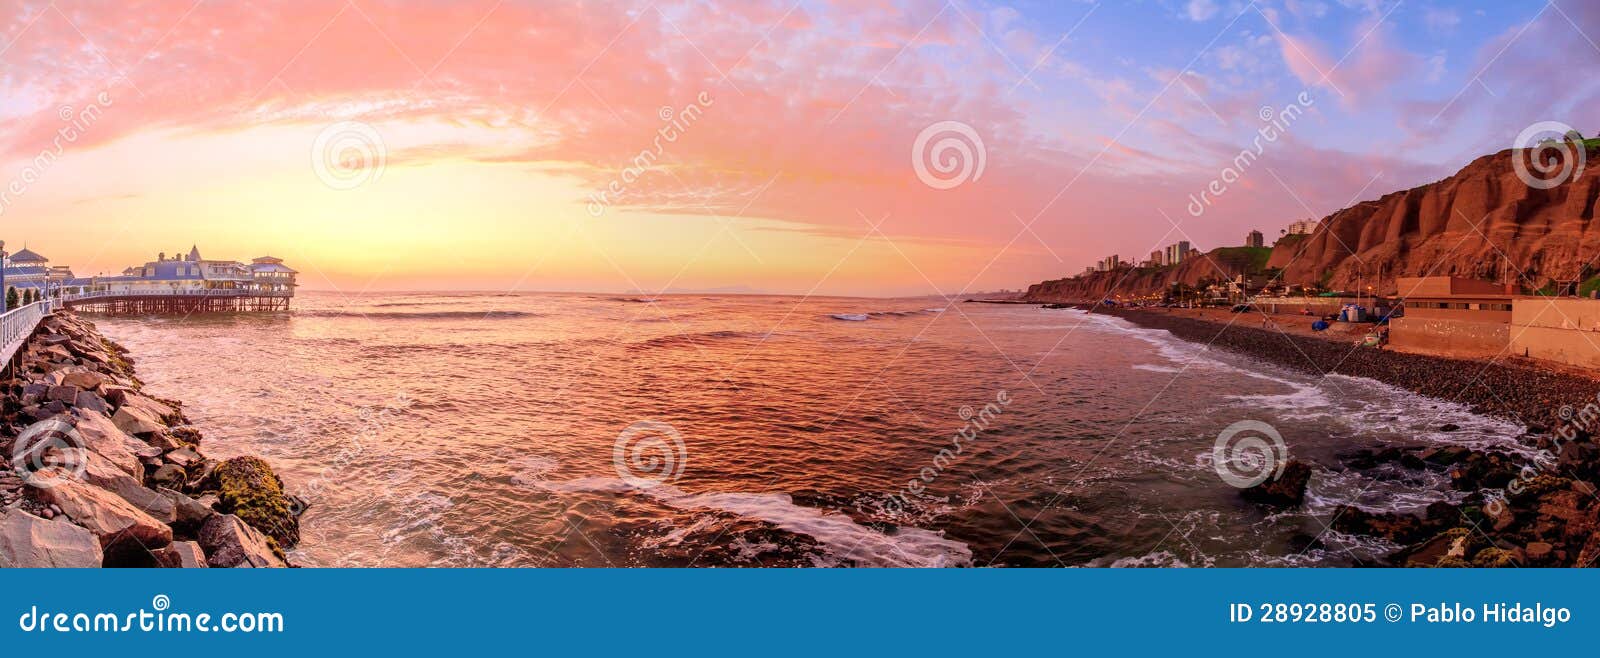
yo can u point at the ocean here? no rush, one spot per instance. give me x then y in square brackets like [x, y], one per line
[560, 430]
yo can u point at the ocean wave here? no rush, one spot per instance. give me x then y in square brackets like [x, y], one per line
[424, 315]
[863, 317]
[692, 339]
[838, 534]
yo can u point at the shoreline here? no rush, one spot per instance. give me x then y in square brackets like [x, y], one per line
[1543, 512]
[101, 474]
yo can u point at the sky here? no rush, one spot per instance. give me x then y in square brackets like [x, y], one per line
[864, 147]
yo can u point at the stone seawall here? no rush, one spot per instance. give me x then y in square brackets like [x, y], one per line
[98, 473]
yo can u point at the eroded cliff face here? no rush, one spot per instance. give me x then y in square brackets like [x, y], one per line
[1484, 222]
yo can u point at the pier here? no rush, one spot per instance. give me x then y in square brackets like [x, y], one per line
[147, 302]
[181, 284]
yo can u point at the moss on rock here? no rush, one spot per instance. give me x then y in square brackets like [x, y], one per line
[247, 488]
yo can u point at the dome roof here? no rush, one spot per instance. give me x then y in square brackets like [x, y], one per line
[28, 256]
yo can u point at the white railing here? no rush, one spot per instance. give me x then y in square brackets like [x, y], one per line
[17, 325]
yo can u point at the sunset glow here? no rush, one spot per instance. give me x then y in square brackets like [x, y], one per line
[498, 123]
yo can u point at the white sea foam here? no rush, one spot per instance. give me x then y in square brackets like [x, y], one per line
[843, 538]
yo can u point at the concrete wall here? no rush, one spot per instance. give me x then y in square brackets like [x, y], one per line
[1447, 337]
[1562, 330]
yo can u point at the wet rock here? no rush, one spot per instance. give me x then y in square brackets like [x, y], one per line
[1582, 460]
[247, 487]
[1286, 490]
[186, 435]
[191, 514]
[1398, 528]
[183, 457]
[30, 542]
[1483, 470]
[1445, 456]
[229, 542]
[171, 476]
[182, 555]
[1449, 427]
[1446, 549]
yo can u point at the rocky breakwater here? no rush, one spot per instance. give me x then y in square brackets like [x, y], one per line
[98, 473]
[1533, 507]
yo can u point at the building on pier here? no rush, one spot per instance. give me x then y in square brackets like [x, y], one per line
[265, 276]
[26, 270]
[187, 284]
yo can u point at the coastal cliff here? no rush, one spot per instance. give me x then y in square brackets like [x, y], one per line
[1483, 222]
[101, 474]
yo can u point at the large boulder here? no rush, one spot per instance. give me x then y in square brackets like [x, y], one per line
[82, 378]
[162, 412]
[229, 542]
[101, 473]
[121, 527]
[247, 487]
[136, 421]
[1288, 489]
[100, 435]
[28, 542]
[191, 514]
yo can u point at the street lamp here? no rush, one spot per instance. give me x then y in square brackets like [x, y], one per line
[2, 277]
